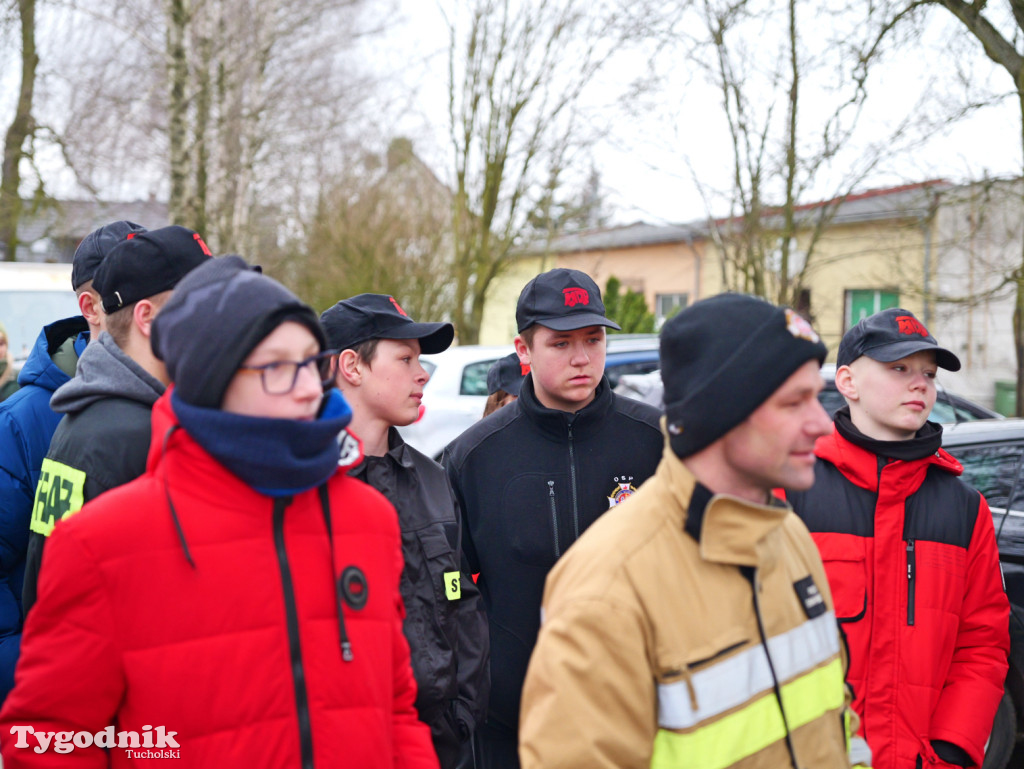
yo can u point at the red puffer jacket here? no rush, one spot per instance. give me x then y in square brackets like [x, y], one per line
[238, 654]
[911, 558]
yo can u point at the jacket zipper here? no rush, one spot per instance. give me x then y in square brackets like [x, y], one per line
[554, 514]
[575, 501]
[910, 581]
[294, 645]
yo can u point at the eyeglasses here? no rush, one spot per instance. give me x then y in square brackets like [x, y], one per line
[280, 377]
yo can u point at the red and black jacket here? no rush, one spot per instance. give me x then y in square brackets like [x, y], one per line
[911, 558]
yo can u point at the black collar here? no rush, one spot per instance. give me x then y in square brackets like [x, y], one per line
[926, 442]
[556, 423]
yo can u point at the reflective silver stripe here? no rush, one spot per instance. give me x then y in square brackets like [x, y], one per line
[741, 677]
[860, 753]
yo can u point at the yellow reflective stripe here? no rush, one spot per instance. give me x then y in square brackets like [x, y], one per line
[745, 675]
[59, 493]
[722, 743]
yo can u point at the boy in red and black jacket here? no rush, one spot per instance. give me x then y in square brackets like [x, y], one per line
[910, 553]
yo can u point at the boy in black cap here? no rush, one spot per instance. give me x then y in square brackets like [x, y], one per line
[27, 424]
[910, 553]
[692, 625]
[533, 476]
[380, 374]
[103, 438]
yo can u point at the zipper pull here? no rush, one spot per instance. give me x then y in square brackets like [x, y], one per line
[551, 488]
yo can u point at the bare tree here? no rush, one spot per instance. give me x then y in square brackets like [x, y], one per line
[217, 104]
[517, 73]
[1000, 31]
[788, 141]
[383, 227]
[19, 132]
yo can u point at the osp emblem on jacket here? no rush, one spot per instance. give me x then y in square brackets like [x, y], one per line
[623, 489]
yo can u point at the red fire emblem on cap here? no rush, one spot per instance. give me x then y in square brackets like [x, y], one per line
[575, 296]
[398, 307]
[910, 325]
[199, 239]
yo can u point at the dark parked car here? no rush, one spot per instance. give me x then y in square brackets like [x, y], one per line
[992, 453]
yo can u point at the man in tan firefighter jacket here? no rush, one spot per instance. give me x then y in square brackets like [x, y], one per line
[692, 626]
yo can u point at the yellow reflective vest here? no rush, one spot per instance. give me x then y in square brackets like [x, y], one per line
[673, 629]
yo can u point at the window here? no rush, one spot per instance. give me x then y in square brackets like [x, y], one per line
[474, 378]
[993, 470]
[860, 303]
[667, 305]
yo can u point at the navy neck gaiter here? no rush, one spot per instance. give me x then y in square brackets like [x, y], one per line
[276, 457]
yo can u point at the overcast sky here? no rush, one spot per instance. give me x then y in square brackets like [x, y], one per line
[649, 162]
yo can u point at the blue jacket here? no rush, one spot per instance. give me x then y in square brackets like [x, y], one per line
[26, 425]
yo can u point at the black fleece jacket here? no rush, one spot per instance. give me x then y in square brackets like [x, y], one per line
[529, 480]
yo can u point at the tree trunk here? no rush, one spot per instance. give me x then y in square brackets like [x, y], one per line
[1018, 310]
[20, 130]
[177, 133]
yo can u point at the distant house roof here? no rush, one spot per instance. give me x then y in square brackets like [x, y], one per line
[53, 233]
[907, 201]
[625, 236]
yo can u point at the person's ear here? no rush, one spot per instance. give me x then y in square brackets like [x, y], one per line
[350, 368]
[846, 383]
[522, 350]
[143, 315]
[90, 306]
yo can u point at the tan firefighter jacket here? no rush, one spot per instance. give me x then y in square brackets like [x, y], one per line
[651, 655]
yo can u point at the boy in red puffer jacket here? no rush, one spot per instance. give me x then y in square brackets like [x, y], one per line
[238, 605]
[910, 553]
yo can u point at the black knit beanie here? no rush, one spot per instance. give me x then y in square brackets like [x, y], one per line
[723, 357]
[217, 314]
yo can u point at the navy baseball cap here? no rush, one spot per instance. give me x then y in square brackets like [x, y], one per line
[507, 374]
[890, 335]
[563, 300]
[148, 264]
[378, 316]
[96, 245]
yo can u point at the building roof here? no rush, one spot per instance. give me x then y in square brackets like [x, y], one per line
[52, 233]
[906, 201]
[625, 236]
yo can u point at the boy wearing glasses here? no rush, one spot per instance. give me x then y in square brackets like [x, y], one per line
[238, 604]
[380, 374]
[102, 440]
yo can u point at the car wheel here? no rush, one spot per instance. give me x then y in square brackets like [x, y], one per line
[1004, 735]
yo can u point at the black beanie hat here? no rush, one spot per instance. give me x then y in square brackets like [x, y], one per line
[721, 358]
[217, 314]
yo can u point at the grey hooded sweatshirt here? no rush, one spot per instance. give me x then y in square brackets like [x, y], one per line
[101, 442]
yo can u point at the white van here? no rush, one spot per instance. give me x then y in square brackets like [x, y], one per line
[32, 296]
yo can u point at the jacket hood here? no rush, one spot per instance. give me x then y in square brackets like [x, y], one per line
[39, 369]
[861, 466]
[106, 371]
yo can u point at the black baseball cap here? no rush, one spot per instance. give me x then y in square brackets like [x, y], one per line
[890, 335]
[96, 245]
[378, 316]
[147, 264]
[563, 300]
[506, 374]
